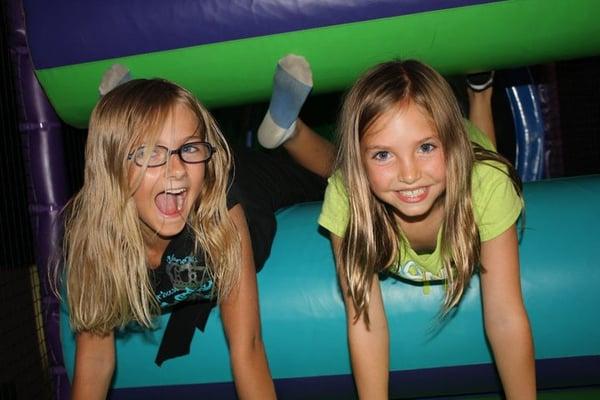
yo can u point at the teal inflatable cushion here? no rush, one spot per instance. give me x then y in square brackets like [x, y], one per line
[304, 322]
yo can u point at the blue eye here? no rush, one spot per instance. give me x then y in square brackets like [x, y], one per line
[427, 147]
[196, 152]
[190, 148]
[381, 155]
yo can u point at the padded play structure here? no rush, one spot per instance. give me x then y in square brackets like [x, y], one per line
[225, 52]
[304, 321]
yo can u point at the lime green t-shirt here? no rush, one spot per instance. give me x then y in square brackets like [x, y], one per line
[496, 207]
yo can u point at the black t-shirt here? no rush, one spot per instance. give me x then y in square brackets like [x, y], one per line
[183, 285]
[182, 275]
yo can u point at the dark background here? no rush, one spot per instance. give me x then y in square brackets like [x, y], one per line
[572, 109]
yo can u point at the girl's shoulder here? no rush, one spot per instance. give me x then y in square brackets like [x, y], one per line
[336, 179]
[496, 203]
[479, 137]
[335, 212]
[487, 171]
[336, 190]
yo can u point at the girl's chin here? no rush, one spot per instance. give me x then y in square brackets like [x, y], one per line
[172, 228]
[166, 230]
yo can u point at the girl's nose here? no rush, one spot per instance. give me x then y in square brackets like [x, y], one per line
[176, 168]
[409, 171]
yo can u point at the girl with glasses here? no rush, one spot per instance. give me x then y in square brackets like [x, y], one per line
[168, 219]
[158, 225]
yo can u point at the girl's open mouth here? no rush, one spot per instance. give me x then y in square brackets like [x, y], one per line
[171, 201]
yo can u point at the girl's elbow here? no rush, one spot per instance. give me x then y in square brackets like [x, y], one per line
[507, 324]
[102, 367]
[249, 354]
[246, 347]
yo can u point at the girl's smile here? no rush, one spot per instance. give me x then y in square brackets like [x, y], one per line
[412, 196]
[404, 161]
[166, 194]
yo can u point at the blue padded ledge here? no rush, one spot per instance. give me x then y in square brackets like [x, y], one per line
[304, 322]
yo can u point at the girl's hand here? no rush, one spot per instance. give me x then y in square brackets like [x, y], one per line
[94, 366]
[506, 323]
[369, 347]
[240, 315]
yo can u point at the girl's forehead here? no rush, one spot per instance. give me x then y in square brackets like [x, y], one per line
[407, 118]
[179, 125]
[168, 135]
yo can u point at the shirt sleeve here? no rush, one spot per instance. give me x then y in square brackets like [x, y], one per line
[496, 204]
[335, 211]
[478, 136]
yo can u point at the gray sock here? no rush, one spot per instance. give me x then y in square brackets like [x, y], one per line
[113, 77]
[291, 85]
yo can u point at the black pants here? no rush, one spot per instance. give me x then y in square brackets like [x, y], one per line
[265, 182]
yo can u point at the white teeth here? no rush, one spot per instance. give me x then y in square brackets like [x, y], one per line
[413, 193]
[179, 202]
[175, 191]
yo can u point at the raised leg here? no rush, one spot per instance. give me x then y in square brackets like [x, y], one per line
[310, 150]
[479, 90]
[281, 126]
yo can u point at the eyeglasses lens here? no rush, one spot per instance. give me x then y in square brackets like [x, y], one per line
[195, 152]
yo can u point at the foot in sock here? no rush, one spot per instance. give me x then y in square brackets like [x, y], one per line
[291, 85]
[113, 77]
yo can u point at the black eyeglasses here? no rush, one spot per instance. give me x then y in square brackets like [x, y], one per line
[191, 153]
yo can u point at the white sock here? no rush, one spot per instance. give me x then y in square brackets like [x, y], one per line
[292, 83]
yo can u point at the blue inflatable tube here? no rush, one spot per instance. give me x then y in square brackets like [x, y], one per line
[303, 316]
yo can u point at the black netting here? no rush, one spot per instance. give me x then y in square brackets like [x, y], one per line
[579, 102]
[574, 88]
[74, 140]
[16, 248]
[23, 367]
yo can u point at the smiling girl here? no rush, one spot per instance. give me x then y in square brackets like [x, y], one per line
[413, 197]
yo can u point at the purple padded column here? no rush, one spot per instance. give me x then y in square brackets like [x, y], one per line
[42, 143]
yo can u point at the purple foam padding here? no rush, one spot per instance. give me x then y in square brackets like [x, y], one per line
[65, 32]
[431, 382]
[42, 144]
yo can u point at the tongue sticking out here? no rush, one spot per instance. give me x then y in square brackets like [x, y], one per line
[168, 204]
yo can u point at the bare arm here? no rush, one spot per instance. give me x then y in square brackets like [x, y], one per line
[241, 321]
[506, 322]
[369, 347]
[94, 366]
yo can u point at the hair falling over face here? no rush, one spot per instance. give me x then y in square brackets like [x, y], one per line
[104, 254]
[371, 242]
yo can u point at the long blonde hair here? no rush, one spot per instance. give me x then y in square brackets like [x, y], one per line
[106, 273]
[370, 243]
